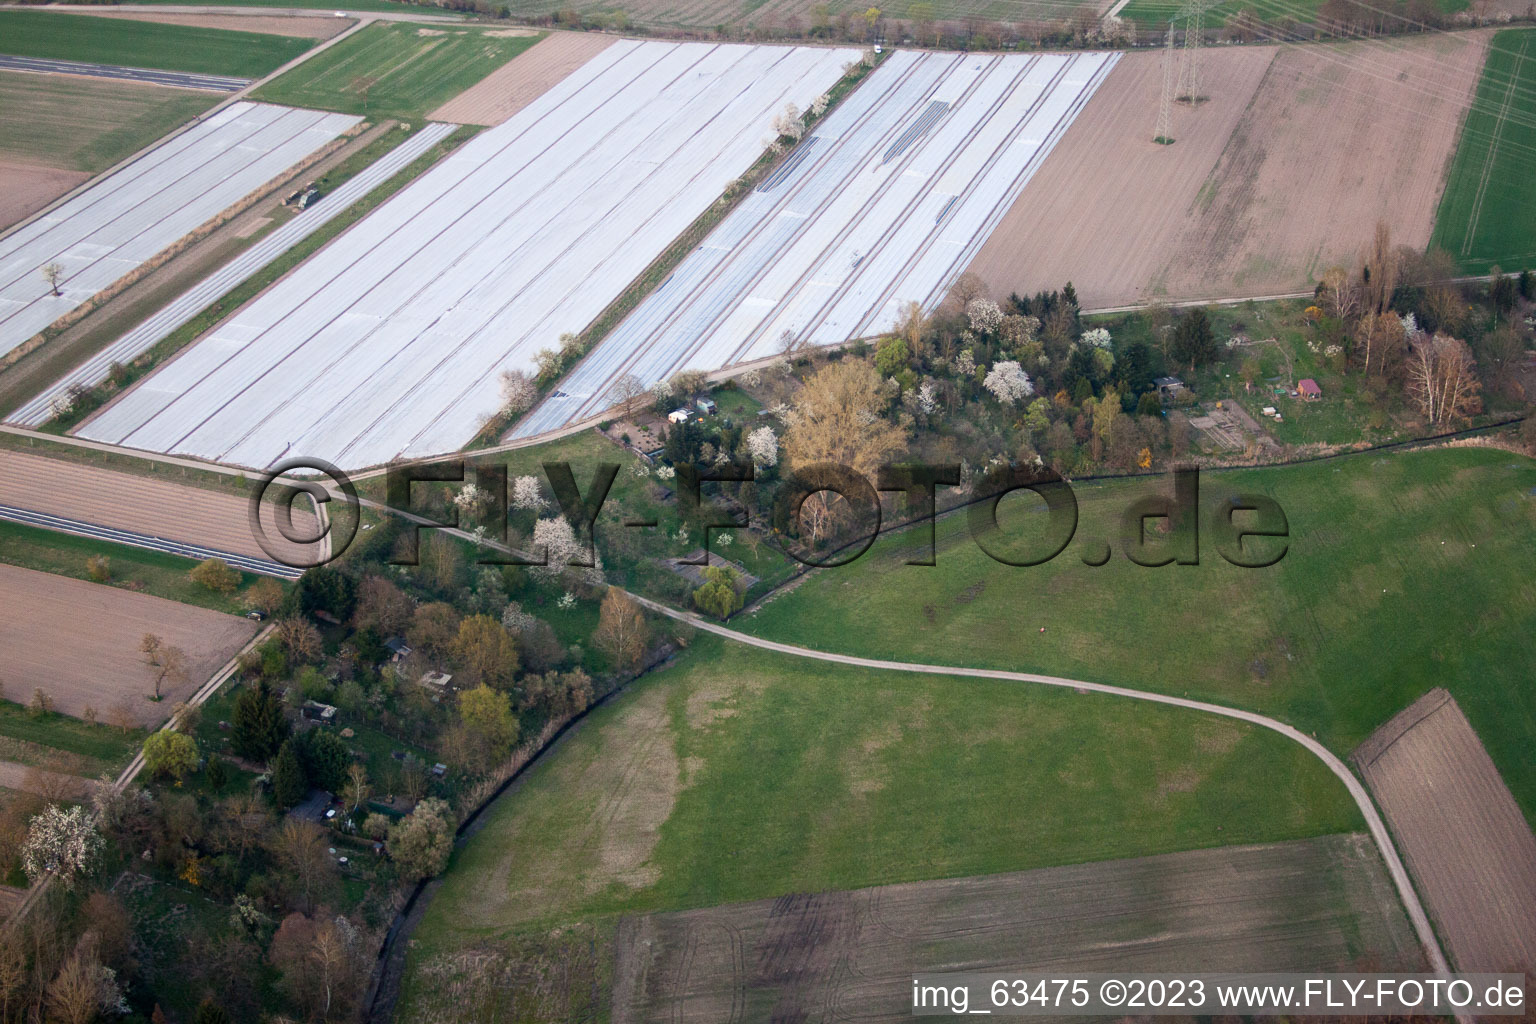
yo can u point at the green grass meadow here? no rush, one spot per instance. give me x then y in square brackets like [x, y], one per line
[1404, 571]
[143, 44]
[737, 774]
[1487, 214]
[396, 69]
[87, 124]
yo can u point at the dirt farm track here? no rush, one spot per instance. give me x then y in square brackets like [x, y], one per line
[1465, 841]
[100, 666]
[1281, 171]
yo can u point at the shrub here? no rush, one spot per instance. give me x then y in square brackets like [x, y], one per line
[216, 575]
[99, 568]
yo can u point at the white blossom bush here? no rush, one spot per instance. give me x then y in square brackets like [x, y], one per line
[819, 106]
[983, 315]
[471, 500]
[1333, 350]
[62, 843]
[927, 398]
[763, 447]
[640, 470]
[518, 391]
[753, 377]
[965, 363]
[1008, 382]
[723, 539]
[788, 123]
[661, 390]
[1098, 337]
[555, 538]
[567, 601]
[1410, 324]
[528, 495]
[665, 472]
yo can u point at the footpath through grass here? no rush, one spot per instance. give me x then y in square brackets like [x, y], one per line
[1404, 571]
[144, 44]
[397, 69]
[738, 774]
[1487, 214]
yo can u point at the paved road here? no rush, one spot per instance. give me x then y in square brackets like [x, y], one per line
[144, 76]
[80, 528]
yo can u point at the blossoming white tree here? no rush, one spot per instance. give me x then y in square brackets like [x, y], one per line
[983, 315]
[763, 447]
[1008, 382]
[527, 495]
[62, 843]
[1098, 337]
[518, 391]
[555, 538]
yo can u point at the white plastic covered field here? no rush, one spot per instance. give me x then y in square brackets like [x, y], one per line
[388, 342]
[882, 205]
[132, 214]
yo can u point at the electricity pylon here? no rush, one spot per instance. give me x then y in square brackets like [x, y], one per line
[1164, 134]
[1194, 28]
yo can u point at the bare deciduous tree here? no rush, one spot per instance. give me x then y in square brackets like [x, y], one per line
[1442, 379]
[53, 273]
[621, 630]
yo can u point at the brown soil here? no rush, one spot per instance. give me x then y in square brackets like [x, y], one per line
[314, 26]
[193, 515]
[1305, 905]
[24, 189]
[518, 83]
[80, 642]
[1468, 847]
[1283, 171]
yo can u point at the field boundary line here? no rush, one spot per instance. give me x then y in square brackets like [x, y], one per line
[1400, 878]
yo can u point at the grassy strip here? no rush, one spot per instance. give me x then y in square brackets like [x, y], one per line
[247, 290]
[143, 44]
[396, 69]
[105, 747]
[138, 569]
[663, 266]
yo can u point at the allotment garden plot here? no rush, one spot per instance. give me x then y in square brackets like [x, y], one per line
[388, 343]
[125, 219]
[883, 205]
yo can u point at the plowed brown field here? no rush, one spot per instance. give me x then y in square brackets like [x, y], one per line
[79, 642]
[1466, 843]
[1282, 172]
[519, 82]
[1314, 904]
[25, 188]
[192, 515]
